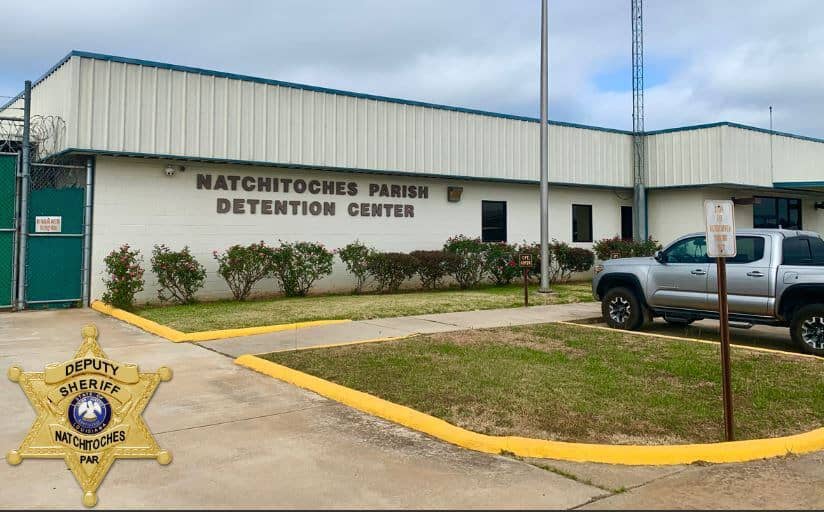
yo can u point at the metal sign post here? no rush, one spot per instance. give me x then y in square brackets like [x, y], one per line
[721, 244]
[525, 262]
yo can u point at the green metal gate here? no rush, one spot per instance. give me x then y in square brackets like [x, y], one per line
[8, 193]
[54, 248]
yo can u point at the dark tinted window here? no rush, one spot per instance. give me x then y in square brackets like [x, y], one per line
[626, 222]
[797, 251]
[774, 212]
[581, 223]
[689, 250]
[817, 245]
[748, 249]
[493, 221]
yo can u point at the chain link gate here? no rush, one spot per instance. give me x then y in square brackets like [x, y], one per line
[55, 235]
[8, 227]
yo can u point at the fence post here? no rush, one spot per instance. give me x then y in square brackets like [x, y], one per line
[87, 232]
[25, 172]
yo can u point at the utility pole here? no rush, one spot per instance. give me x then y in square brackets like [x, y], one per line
[25, 173]
[772, 169]
[639, 220]
[544, 145]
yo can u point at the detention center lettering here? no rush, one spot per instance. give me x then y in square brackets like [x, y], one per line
[313, 187]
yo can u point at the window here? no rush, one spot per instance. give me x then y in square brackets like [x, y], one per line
[689, 250]
[748, 249]
[803, 251]
[626, 222]
[581, 223]
[493, 221]
[774, 212]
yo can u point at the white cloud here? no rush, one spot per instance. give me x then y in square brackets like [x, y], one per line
[734, 58]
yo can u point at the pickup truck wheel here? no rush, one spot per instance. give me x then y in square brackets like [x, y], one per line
[807, 329]
[622, 309]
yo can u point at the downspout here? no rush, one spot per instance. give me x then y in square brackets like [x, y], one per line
[87, 232]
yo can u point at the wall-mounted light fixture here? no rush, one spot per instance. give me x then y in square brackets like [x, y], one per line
[743, 200]
[171, 170]
[453, 194]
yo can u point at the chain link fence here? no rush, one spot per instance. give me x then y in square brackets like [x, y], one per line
[8, 227]
[55, 220]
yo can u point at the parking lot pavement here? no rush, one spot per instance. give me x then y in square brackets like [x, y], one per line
[241, 439]
[765, 336]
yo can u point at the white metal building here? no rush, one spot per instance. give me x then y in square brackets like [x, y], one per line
[257, 159]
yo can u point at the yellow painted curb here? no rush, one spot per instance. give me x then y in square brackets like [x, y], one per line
[696, 340]
[178, 336]
[736, 451]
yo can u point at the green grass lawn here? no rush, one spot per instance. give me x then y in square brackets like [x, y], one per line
[231, 314]
[571, 383]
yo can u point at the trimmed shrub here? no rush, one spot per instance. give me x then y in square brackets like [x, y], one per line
[432, 266]
[244, 265]
[356, 256]
[298, 265]
[125, 277]
[568, 260]
[606, 247]
[468, 265]
[178, 274]
[500, 262]
[391, 269]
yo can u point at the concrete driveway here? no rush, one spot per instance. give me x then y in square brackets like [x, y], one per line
[242, 440]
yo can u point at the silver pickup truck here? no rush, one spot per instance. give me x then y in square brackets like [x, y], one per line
[777, 278]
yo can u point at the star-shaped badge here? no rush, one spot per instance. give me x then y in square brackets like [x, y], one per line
[89, 414]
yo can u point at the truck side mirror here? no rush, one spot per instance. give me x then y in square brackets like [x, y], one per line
[659, 257]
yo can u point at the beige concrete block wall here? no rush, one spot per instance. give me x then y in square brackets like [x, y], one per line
[678, 211]
[136, 203]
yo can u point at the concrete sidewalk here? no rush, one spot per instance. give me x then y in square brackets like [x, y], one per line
[402, 326]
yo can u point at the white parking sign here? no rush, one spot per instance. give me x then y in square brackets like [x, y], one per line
[720, 218]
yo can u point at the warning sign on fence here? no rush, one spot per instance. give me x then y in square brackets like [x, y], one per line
[51, 224]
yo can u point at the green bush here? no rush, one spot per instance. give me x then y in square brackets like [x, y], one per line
[125, 277]
[244, 265]
[356, 256]
[298, 265]
[391, 269]
[432, 266]
[178, 274]
[468, 265]
[568, 260]
[501, 262]
[606, 247]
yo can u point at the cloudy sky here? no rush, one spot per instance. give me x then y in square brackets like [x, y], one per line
[706, 60]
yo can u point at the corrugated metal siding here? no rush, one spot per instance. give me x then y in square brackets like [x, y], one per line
[746, 158]
[143, 109]
[797, 160]
[51, 97]
[684, 158]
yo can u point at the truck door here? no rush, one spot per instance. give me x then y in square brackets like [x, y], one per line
[679, 280]
[748, 278]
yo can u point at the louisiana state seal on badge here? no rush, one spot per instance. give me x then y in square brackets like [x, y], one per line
[89, 414]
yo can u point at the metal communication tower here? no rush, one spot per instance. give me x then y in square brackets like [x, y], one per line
[639, 220]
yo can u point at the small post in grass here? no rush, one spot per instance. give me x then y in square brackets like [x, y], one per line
[525, 262]
[721, 244]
